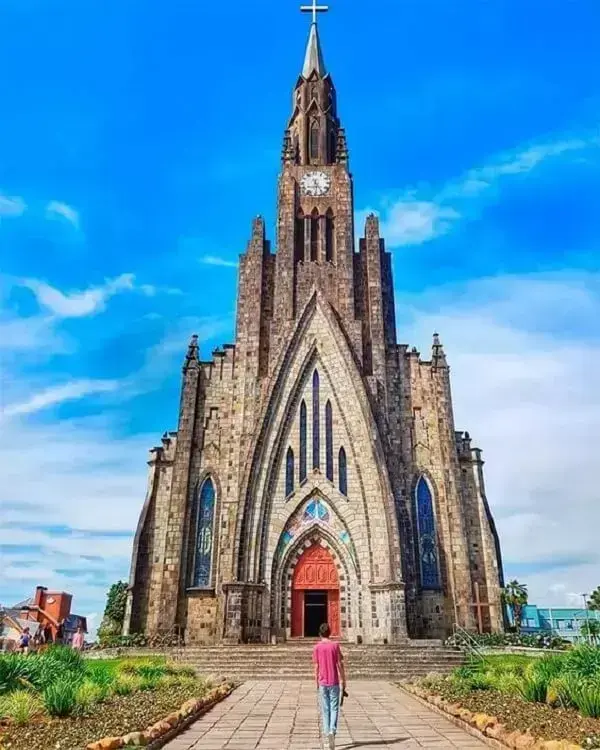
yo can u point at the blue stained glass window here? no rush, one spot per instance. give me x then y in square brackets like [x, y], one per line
[343, 471]
[328, 442]
[289, 471]
[428, 548]
[204, 533]
[302, 441]
[316, 423]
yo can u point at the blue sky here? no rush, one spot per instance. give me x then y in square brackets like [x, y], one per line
[138, 141]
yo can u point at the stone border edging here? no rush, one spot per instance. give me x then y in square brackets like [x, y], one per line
[163, 729]
[518, 739]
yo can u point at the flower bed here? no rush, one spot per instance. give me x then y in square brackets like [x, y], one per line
[545, 641]
[58, 700]
[524, 702]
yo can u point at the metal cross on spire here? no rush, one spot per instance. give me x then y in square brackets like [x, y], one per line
[314, 9]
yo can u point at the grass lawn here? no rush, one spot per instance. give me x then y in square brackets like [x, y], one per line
[58, 697]
[554, 697]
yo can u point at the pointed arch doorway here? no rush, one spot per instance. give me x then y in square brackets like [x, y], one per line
[315, 593]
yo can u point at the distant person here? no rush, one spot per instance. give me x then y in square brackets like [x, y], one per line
[330, 675]
[78, 639]
[60, 633]
[24, 641]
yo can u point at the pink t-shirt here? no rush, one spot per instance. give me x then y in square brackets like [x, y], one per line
[78, 640]
[327, 655]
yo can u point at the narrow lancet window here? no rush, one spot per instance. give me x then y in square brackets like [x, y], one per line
[299, 238]
[314, 236]
[343, 472]
[427, 536]
[314, 142]
[316, 422]
[329, 236]
[302, 441]
[204, 534]
[328, 442]
[289, 471]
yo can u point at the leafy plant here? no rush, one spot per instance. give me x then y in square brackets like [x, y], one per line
[533, 688]
[127, 684]
[114, 612]
[583, 661]
[591, 629]
[13, 672]
[515, 595]
[87, 695]
[20, 706]
[60, 698]
[588, 698]
[594, 600]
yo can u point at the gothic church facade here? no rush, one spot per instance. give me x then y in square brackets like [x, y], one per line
[316, 473]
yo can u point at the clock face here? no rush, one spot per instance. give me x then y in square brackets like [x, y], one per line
[315, 183]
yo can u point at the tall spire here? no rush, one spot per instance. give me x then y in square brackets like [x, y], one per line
[313, 59]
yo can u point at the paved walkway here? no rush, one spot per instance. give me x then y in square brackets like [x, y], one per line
[284, 716]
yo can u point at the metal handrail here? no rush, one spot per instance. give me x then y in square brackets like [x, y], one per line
[467, 640]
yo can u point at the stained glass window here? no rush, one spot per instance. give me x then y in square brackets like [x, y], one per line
[343, 471]
[316, 423]
[289, 471]
[328, 442]
[428, 548]
[314, 141]
[204, 533]
[302, 441]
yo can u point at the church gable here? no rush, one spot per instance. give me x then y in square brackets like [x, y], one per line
[312, 433]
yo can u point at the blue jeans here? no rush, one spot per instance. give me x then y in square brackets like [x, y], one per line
[330, 703]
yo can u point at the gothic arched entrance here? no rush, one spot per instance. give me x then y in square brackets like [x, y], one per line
[315, 593]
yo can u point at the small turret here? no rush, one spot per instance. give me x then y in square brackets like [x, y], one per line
[438, 356]
[191, 357]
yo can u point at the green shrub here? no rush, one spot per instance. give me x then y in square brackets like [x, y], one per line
[507, 683]
[20, 706]
[126, 684]
[588, 698]
[87, 695]
[60, 698]
[152, 671]
[583, 661]
[13, 672]
[102, 674]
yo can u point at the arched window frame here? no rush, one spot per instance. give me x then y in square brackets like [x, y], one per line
[289, 471]
[204, 538]
[329, 441]
[314, 235]
[302, 462]
[313, 141]
[427, 541]
[316, 422]
[329, 236]
[343, 471]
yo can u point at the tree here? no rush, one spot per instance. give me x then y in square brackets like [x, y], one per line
[594, 600]
[114, 612]
[515, 595]
[591, 629]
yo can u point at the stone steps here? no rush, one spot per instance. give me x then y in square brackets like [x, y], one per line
[293, 660]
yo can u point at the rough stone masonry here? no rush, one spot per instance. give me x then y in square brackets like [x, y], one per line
[316, 473]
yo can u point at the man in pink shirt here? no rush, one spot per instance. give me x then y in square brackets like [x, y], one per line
[78, 640]
[329, 673]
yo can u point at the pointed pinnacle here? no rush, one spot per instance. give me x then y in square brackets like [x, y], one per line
[313, 59]
[191, 357]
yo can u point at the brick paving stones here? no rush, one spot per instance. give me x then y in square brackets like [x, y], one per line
[283, 715]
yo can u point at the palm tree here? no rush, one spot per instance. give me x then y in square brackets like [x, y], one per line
[591, 629]
[594, 600]
[515, 596]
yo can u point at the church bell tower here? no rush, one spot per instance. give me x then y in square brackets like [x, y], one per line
[315, 211]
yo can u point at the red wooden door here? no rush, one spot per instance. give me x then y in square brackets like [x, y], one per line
[316, 571]
[297, 614]
[333, 612]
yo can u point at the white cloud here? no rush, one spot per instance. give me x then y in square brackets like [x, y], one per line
[76, 304]
[521, 351]
[414, 220]
[215, 260]
[58, 209]
[11, 206]
[74, 390]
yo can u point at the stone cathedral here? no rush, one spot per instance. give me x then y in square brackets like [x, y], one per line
[316, 473]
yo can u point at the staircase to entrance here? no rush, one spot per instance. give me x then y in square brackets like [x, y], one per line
[292, 660]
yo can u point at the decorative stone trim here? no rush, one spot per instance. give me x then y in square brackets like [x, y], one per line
[163, 731]
[486, 728]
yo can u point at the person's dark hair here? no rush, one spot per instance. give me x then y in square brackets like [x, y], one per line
[324, 630]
